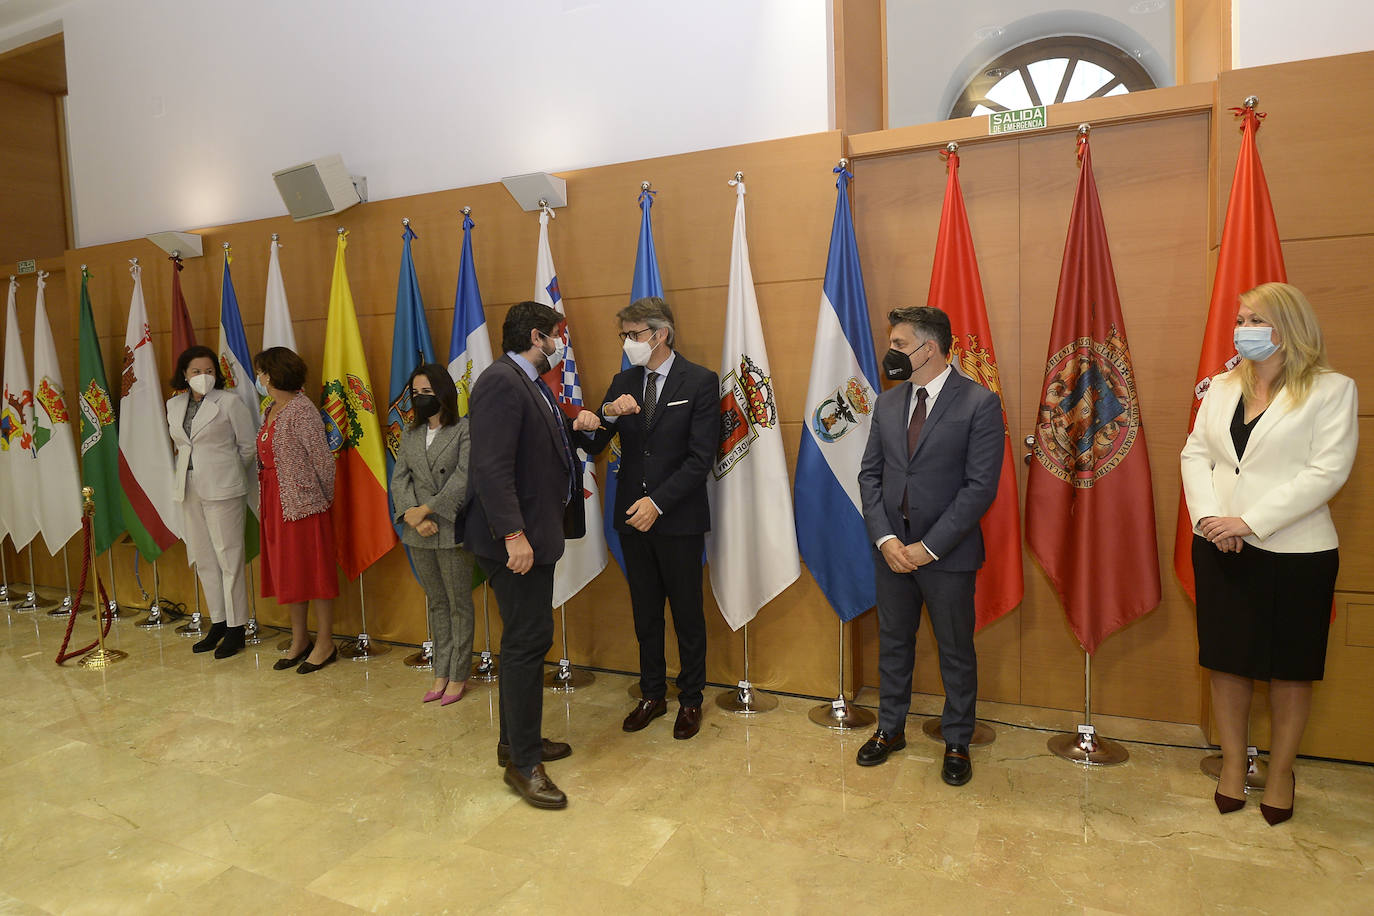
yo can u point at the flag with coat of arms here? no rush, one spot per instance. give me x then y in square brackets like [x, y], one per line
[59, 497]
[16, 436]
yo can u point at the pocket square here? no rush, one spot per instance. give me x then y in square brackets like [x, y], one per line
[676, 403]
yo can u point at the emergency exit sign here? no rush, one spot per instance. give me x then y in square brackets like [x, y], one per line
[1009, 122]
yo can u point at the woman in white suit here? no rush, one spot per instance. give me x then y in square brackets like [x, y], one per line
[1273, 442]
[215, 440]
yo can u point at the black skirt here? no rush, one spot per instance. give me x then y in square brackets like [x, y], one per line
[1261, 614]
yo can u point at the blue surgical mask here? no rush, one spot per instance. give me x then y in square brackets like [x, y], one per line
[1255, 343]
[262, 389]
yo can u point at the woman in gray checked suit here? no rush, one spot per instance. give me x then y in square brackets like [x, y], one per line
[428, 485]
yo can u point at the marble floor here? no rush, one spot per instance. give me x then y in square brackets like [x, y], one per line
[178, 783]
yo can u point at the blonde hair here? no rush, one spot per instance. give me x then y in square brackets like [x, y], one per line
[1300, 340]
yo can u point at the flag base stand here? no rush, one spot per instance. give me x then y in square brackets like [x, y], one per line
[565, 678]
[983, 734]
[65, 608]
[192, 630]
[746, 701]
[32, 604]
[154, 619]
[634, 691]
[422, 660]
[484, 669]
[839, 713]
[252, 633]
[1086, 748]
[120, 611]
[1256, 770]
[363, 648]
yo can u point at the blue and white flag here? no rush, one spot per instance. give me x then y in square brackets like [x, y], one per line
[469, 347]
[236, 364]
[411, 347]
[646, 282]
[839, 406]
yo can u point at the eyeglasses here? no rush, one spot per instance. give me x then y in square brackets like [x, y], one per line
[634, 335]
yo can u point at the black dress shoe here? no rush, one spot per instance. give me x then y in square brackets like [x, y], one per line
[282, 664]
[232, 643]
[538, 789]
[876, 749]
[549, 750]
[688, 723]
[307, 668]
[211, 639]
[644, 713]
[958, 768]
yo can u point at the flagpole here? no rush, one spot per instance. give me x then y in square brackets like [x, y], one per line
[363, 647]
[424, 659]
[565, 678]
[746, 700]
[193, 629]
[5, 598]
[839, 713]
[484, 671]
[31, 604]
[252, 635]
[1084, 746]
[65, 608]
[154, 618]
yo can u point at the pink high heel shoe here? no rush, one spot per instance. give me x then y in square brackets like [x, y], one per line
[452, 698]
[432, 696]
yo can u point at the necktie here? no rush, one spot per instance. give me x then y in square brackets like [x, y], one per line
[562, 434]
[913, 434]
[650, 398]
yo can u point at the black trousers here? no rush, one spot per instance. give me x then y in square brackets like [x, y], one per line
[526, 607]
[659, 567]
[949, 598]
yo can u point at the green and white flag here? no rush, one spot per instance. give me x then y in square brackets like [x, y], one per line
[99, 433]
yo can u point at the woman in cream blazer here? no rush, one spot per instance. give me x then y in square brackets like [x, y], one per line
[1273, 442]
[213, 432]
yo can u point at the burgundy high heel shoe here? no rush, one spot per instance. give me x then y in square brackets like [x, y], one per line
[1226, 804]
[1276, 816]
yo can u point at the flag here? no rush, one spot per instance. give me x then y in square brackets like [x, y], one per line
[646, 282]
[585, 557]
[1090, 514]
[752, 544]
[361, 512]
[235, 364]
[59, 496]
[145, 450]
[99, 432]
[840, 397]
[277, 330]
[411, 346]
[16, 436]
[183, 334]
[956, 288]
[469, 347]
[1250, 255]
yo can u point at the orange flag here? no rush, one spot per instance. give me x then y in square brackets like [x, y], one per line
[1090, 512]
[956, 288]
[1250, 255]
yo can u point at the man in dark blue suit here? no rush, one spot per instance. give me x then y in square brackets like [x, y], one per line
[523, 499]
[929, 473]
[667, 412]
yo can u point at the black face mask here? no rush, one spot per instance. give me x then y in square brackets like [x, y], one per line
[897, 365]
[425, 406]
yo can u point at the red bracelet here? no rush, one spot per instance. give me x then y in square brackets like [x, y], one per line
[511, 537]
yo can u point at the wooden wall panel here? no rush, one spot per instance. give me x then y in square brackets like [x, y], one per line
[33, 221]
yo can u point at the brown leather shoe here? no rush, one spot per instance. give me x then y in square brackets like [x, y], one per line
[644, 713]
[688, 722]
[538, 790]
[551, 750]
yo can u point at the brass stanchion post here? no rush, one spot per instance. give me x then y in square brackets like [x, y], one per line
[101, 657]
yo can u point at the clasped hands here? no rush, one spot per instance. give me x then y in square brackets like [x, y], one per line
[905, 558]
[1226, 533]
[418, 518]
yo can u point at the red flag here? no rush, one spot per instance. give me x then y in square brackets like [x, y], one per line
[1090, 514]
[183, 335]
[956, 288]
[1250, 255]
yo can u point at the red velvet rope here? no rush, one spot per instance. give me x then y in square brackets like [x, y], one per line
[104, 609]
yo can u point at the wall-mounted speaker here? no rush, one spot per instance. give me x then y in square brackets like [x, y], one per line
[319, 187]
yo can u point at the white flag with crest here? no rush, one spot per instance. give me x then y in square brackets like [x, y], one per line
[59, 496]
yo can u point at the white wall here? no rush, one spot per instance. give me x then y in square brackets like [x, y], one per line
[1273, 31]
[180, 110]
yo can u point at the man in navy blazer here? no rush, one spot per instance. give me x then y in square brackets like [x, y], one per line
[522, 494]
[667, 412]
[929, 473]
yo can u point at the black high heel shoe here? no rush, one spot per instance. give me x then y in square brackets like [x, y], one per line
[1276, 816]
[307, 668]
[283, 663]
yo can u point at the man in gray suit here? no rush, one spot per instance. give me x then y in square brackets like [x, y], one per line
[929, 472]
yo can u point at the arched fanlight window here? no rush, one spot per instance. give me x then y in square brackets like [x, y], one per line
[1048, 71]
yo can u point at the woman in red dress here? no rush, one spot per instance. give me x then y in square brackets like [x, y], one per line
[296, 475]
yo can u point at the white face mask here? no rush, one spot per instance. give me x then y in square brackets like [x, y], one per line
[201, 384]
[639, 351]
[555, 358]
[1255, 343]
